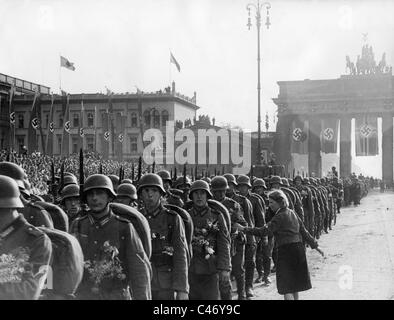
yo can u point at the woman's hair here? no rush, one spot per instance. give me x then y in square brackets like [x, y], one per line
[279, 197]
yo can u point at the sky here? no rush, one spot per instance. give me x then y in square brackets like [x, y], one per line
[121, 44]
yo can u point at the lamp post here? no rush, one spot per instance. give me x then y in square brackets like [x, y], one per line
[258, 9]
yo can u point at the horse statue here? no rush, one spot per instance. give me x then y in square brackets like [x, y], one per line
[350, 66]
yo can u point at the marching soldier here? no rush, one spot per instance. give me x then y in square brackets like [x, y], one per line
[263, 251]
[107, 238]
[247, 208]
[238, 239]
[183, 184]
[70, 200]
[34, 214]
[285, 186]
[258, 206]
[24, 242]
[211, 246]
[307, 204]
[170, 197]
[169, 246]
[126, 194]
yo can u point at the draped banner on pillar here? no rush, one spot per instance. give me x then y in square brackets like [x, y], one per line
[50, 130]
[120, 133]
[366, 136]
[299, 136]
[34, 123]
[106, 135]
[66, 129]
[329, 135]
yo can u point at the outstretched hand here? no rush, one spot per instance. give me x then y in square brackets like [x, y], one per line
[320, 251]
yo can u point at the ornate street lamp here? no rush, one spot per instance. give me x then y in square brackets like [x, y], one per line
[258, 9]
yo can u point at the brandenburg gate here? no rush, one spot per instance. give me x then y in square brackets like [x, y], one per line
[365, 91]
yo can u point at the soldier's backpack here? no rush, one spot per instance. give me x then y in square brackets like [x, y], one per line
[217, 206]
[138, 221]
[188, 224]
[67, 262]
[59, 217]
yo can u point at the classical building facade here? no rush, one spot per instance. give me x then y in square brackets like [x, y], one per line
[125, 114]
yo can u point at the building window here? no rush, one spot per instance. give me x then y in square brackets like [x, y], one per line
[59, 142]
[75, 145]
[90, 120]
[90, 142]
[133, 144]
[21, 121]
[156, 119]
[46, 120]
[60, 121]
[134, 120]
[147, 118]
[76, 120]
[164, 117]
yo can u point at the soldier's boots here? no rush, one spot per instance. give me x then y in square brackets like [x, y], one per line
[249, 292]
[266, 281]
[241, 288]
[259, 279]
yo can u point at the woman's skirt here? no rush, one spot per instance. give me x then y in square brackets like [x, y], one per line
[292, 273]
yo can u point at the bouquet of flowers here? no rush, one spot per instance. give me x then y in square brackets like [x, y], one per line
[108, 268]
[202, 238]
[14, 265]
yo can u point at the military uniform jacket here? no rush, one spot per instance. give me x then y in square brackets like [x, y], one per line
[306, 200]
[173, 199]
[170, 271]
[120, 233]
[258, 209]
[297, 203]
[36, 215]
[220, 260]
[21, 235]
[247, 208]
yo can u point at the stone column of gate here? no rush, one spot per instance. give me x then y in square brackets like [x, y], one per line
[314, 145]
[345, 147]
[283, 139]
[387, 149]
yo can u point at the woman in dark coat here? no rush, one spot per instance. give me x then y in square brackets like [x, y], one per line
[292, 275]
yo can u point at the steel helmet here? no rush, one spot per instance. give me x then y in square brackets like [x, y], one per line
[200, 185]
[127, 181]
[219, 183]
[127, 190]
[275, 179]
[207, 180]
[70, 191]
[98, 181]
[164, 175]
[115, 180]
[179, 182]
[244, 180]
[259, 183]
[230, 178]
[297, 177]
[150, 180]
[306, 180]
[70, 179]
[10, 194]
[285, 182]
[13, 171]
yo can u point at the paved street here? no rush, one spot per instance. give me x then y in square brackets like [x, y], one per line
[359, 255]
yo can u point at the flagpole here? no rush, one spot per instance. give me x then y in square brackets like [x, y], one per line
[169, 67]
[60, 75]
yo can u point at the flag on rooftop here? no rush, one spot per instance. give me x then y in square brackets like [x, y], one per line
[67, 64]
[173, 60]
